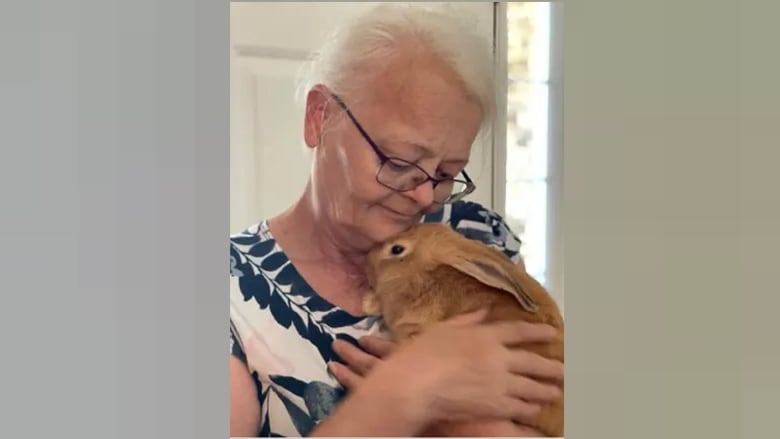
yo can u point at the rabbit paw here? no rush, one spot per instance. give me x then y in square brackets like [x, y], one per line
[371, 305]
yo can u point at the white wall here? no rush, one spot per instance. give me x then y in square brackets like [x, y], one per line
[269, 42]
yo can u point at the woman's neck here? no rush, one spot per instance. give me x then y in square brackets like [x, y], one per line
[311, 243]
[315, 239]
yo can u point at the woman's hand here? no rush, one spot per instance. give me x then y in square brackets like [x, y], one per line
[480, 429]
[358, 363]
[461, 370]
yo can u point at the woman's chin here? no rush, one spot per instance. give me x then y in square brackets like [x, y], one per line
[391, 227]
[384, 224]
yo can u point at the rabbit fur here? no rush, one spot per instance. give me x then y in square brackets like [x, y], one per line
[431, 272]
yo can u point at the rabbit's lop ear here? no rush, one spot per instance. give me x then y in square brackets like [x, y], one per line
[494, 274]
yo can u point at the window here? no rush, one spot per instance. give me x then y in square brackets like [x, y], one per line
[529, 131]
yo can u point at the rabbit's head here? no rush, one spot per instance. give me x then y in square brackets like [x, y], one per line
[427, 246]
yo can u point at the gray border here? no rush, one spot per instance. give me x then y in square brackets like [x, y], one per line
[114, 134]
[114, 183]
[671, 218]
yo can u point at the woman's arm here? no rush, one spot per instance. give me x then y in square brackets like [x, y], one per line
[380, 407]
[244, 406]
[377, 408]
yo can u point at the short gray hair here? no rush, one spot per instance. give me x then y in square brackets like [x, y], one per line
[370, 37]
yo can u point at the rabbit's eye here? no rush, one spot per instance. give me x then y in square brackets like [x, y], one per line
[397, 249]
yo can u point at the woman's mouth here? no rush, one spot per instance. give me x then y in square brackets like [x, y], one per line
[400, 215]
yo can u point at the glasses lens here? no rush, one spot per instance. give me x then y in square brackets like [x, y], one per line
[448, 191]
[401, 175]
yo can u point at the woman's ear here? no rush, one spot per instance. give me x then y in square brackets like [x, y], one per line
[314, 118]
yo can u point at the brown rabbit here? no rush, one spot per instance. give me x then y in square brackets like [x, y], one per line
[431, 273]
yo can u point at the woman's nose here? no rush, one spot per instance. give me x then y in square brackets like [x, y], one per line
[422, 194]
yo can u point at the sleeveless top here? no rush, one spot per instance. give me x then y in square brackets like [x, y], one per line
[282, 330]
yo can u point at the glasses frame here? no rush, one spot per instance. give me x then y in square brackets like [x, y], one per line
[384, 158]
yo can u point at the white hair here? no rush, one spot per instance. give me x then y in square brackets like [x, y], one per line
[366, 42]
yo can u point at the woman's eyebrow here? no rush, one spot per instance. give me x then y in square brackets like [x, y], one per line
[428, 152]
[396, 144]
[421, 150]
[457, 161]
[424, 149]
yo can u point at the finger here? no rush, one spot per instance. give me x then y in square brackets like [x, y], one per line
[376, 346]
[470, 317]
[519, 332]
[359, 361]
[533, 391]
[344, 375]
[519, 410]
[524, 431]
[534, 365]
[479, 427]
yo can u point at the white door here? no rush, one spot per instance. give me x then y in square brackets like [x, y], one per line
[269, 163]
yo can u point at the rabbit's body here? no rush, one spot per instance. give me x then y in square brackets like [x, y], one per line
[440, 274]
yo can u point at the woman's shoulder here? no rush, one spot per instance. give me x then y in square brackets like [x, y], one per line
[255, 241]
[481, 223]
[252, 235]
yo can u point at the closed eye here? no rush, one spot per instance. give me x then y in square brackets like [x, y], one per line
[398, 166]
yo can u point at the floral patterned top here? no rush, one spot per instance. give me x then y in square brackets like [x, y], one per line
[282, 330]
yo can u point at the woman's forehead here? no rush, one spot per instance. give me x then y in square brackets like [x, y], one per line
[421, 110]
[416, 82]
[420, 117]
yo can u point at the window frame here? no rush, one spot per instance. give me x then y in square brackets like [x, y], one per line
[554, 182]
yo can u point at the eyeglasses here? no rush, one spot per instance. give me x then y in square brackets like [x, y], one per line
[402, 176]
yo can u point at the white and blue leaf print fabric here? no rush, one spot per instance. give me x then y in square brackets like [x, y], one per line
[283, 330]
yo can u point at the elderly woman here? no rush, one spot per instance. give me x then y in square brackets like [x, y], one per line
[397, 100]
